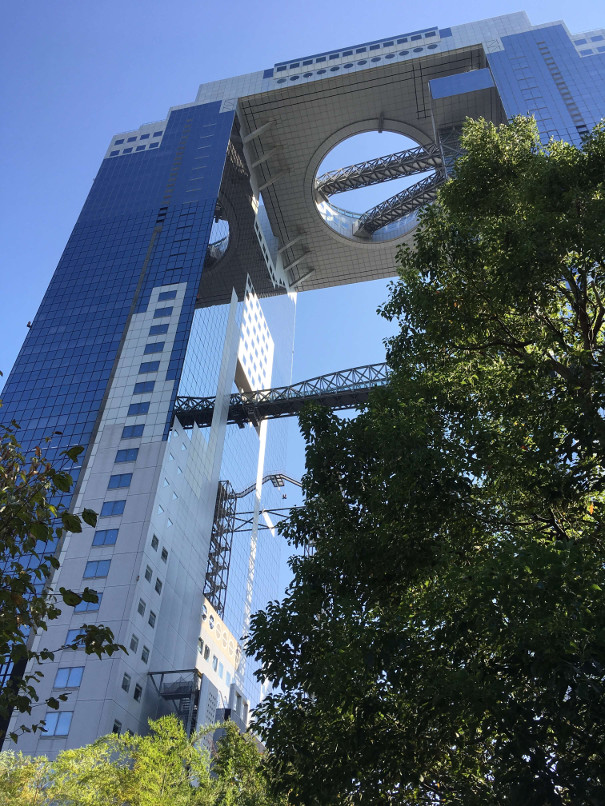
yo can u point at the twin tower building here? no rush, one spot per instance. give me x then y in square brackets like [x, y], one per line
[180, 279]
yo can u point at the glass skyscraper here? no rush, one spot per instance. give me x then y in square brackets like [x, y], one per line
[180, 278]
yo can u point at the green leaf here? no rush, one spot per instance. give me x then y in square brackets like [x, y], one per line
[89, 517]
[71, 522]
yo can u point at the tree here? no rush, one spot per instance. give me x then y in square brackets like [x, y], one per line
[33, 520]
[445, 640]
[164, 767]
[242, 777]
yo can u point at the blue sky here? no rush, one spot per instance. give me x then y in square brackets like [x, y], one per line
[76, 71]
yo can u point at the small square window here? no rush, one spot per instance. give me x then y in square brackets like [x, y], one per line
[126, 682]
[206, 652]
[161, 312]
[127, 151]
[158, 585]
[97, 569]
[127, 454]
[134, 643]
[158, 134]
[131, 139]
[138, 691]
[117, 727]
[148, 573]
[200, 646]
[141, 607]
[164, 555]
[145, 136]
[149, 366]
[119, 480]
[105, 537]
[112, 508]
[114, 153]
[119, 142]
[74, 639]
[158, 330]
[89, 607]
[154, 543]
[154, 347]
[57, 723]
[143, 386]
[153, 145]
[132, 431]
[68, 677]
[140, 148]
[151, 619]
[138, 408]
[165, 295]
[145, 654]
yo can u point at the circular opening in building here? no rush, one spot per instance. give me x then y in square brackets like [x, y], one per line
[365, 187]
[219, 238]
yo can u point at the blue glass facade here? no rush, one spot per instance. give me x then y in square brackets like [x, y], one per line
[146, 222]
[541, 73]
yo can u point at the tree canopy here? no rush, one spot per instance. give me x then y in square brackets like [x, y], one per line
[33, 520]
[163, 768]
[444, 640]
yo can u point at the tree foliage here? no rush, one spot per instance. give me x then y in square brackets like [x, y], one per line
[32, 522]
[445, 641]
[164, 768]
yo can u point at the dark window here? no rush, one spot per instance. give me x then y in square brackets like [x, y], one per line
[320, 59]
[127, 455]
[89, 607]
[151, 619]
[143, 386]
[165, 295]
[158, 585]
[119, 142]
[164, 555]
[134, 643]
[117, 726]
[200, 646]
[149, 366]
[119, 480]
[138, 408]
[281, 68]
[294, 64]
[141, 607]
[308, 61]
[347, 53]
[126, 682]
[144, 137]
[387, 44]
[131, 140]
[158, 134]
[360, 50]
[148, 573]
[140, 148]
[374, 47]
[131, 431]
[68, 677]
[154, 543]
[145, 654]
[415, 37]
[105, 537]
[158, 330]
[137, 692]
[160, 312]
[153, 145]
[96, 569]
[114, 153]
[127, 151]
[112, 508]
[334, 56]
[154, 347]
[430, 33]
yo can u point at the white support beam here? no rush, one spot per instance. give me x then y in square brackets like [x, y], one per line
[257, 132]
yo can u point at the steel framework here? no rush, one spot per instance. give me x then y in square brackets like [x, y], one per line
[396, 207]
[338, 390]
[382, 169]
[219, 552]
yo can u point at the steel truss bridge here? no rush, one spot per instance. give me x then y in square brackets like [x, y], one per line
[346, 389]
[384, 169]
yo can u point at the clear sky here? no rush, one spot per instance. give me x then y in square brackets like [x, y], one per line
[77, 71]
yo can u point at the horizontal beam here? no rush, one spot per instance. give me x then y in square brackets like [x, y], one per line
[346, 389]
[382, 169]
